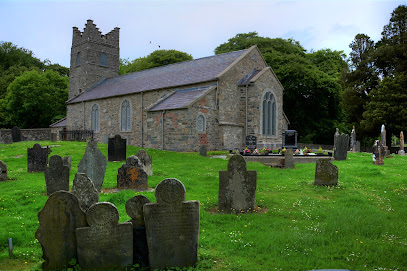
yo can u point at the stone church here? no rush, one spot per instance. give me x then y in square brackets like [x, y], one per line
[215, 100]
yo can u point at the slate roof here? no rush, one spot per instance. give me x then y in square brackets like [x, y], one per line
[178, 74]
[246, 80]
[59, 123]
[182, 98]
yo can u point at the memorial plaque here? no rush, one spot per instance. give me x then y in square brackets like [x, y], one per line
[56, 175]
[37, 158]
[288, 159]
[84, 189]
[251, 142]
[3, 171]
[106, 244]
[237, 187]
[93, 164]
[16, 134]
[341, 147]
[172, 226]
[146, 160]
[58, 221]
[326, 174]
[132, 176]
[290, 139]
[116, 149]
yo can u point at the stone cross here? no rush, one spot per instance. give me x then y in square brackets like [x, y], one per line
[16, 134]
[116, 149]
[3, 171]
[146, 160]
[325, 173]
[58, 221]
[84, 189]
[237, 187]
[56, 175]
[106, 244]
[378, 153]
[172, 226]
[93, 164]
[131, 175]
[341, 147]
[383, 135]
[134, 209]
[288, 159]
[203, 150]
[37, 158]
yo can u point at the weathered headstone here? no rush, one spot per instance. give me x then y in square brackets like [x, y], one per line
[288, 159]
[56, 175]
[383, 135]
[353, 140]
[7, 139]
[3, 171]
[357, 146]
[93, 164]
[116, 149]
[378, 153]
[325, 173]
[67, 161]
[237, 187]
[37, 158]
[53, 137]
[131, 175]
[402, 141]
[16, 134]
[146, 160]
[251, 142]
[172, 226]
[203, 150]
[341, 147]
[84, 189]
[336, 136]
[106, 244]
[58, 220]
[290, 139]
[134, 209]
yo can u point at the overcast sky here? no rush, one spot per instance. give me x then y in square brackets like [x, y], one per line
[196, 27]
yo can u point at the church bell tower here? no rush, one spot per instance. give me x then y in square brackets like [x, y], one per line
[93, 57]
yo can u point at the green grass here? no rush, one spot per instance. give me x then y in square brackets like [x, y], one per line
[361, 224]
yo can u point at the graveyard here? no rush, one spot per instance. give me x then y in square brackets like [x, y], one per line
[358, 224]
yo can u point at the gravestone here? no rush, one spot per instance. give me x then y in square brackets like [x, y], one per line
[288, 159]
[357, 146]
[132, 176]
[16, 134]
[383, 135]
[37, 158]
[172, 226]
[58, 221]
[251, 142]
[7, 139]
[67, 160]
[134, 209]
[146, 161]
[106, 244]
[402, 141]
[56, 175]
[237, 187]
[341, 147]
[336, 136]
[3, 171]
[290, 139]
[378, 153]
[93, 164]
[203, 150]
[353, 140]
[84, 189]
[53, 137]
[326, 173]
[116, 149]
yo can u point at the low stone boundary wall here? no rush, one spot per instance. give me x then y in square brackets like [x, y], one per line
[39, 134]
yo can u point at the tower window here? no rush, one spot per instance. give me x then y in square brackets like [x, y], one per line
[78, 58]
[269, 120]
[103, 59]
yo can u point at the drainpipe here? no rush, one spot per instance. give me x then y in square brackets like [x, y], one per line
[142, 124]
[83, 108]
[246, 109]
[162, 130]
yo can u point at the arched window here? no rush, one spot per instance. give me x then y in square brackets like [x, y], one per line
[200, 123]
[125, 115]
[94, 121]
[269, 120]
[103, 59]
[78, 58]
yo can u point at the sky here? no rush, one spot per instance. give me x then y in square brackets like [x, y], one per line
[196, 27]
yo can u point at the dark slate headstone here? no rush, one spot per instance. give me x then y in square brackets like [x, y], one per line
[146, 160]
[7, 139]
[288, 159]
[132, 176]
[325, 173]
[37, 158]
[357, 146]
[67, 161]
[93, 164]
[56, 175]
[378, 153]
[58, 220]
[251, 142]
[341, 147]
[106, 244]
[290, 139]
[3, 171]
[116, 148]
[237, 187]
[134, 209]
[16, 134]
[84, 189]
[53, 137]
[172, 226]
[203, 150]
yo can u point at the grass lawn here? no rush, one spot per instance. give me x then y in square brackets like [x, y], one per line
[361, 224]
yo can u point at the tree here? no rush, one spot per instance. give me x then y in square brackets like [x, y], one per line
[35, 99]
[155, 59]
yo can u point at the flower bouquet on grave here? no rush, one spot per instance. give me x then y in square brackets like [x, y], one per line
[306, 151]
[246, 151]
[264, 151]
[256, 151]
[297, 151]
[283, 151]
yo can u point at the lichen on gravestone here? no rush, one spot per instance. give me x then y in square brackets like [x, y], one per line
[326, 174]
[93, 164]
[146, 160]
[84, 189]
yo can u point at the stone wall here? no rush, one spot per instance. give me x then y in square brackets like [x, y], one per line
[40, 134]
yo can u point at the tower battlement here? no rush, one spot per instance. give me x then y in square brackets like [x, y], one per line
[92, 33]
